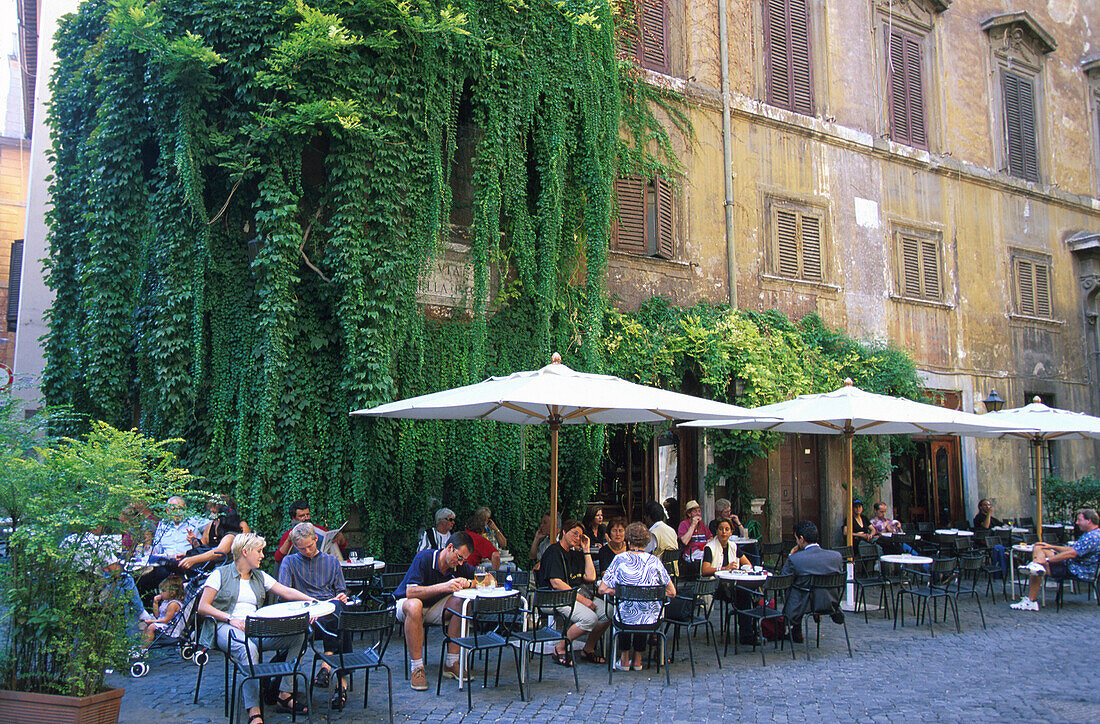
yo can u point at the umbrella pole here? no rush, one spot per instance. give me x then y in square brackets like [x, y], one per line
[555, 425]
[850, 588]
[1037, 453]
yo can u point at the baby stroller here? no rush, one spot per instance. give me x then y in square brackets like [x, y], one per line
[181, 632]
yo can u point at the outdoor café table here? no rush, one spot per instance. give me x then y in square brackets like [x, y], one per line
[469, 594]
[317, 609]
[748, 579]
[1026, 550]
[954, 531]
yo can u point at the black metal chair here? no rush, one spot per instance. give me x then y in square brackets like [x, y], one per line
[1054, 534]
[202, 658]
[627, 594]
[775, 588]
[360, 581]
[697, 601]
[545, 606]
[867, 577]
[1091, 587]
[935, 585]
[377, 626]
[833, 584]
[490, 625]
[671, 561]
[966, 581]
[991, 566]
[272, 634]
[773, 556]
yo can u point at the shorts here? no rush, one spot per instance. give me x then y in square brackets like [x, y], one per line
[584, 617]
[1059, 571]
[433, 614]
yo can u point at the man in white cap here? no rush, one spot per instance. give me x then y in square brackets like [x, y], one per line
[436, 538]
[693, 534]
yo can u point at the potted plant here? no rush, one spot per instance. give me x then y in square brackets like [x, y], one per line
[68, 608]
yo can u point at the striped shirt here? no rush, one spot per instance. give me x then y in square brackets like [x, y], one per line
[635, 568]
[319, 576]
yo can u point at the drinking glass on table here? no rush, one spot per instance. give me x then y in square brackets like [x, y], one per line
[353, 556]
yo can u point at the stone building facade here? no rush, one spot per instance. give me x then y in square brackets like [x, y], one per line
[923, 171]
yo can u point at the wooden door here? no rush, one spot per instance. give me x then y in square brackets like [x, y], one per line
[800, 486]
[946, 485]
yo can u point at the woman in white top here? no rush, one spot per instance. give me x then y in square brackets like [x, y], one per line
[232, 593]
[635, 567]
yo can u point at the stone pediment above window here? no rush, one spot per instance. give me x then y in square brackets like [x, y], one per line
[1091, 66]
[920, 13]
[1018, 36]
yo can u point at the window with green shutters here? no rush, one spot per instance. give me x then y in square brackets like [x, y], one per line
[919, 267]
[1033, 292]
[905, 87]
[788, 56]
[1021, 136]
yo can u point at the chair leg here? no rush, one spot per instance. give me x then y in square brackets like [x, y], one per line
[980, 611]
[714, 641]
[611, 659]
[519, 674]
[691, 652]
[389, 690]
[846, 639]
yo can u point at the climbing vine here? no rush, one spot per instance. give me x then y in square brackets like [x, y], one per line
[248, 198]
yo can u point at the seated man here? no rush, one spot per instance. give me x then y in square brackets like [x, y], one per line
[489, 528]
[808, 559]
[424, 594]
[568, 564]
[318, 575]
[723, 510]
[483, 549]
[984, 520]
[1077, 560]
[693, 534]
[173, 541]
[885, 529]
[299, 513]
[102, 554]
[436, 538]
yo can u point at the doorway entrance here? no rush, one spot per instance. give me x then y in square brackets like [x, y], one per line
[800, 485]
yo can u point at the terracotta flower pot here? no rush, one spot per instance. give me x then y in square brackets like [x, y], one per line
[24, 707]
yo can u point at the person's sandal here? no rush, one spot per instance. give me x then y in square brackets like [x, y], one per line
[287, 705]
[339, 699]
[322, 679]
[562, 659]
[592, 657]
[256, 719]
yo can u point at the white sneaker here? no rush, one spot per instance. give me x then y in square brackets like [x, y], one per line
[1025, 604]
[1037, 568]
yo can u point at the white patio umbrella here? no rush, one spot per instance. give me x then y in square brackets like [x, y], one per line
[1047, 423]
[850, 411]
[557, 395]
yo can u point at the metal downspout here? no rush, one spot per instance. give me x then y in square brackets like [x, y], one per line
[727, 150]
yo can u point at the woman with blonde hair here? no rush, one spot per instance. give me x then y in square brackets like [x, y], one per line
[232, 593]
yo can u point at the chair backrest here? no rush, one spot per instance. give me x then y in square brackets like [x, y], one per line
[906, 538]
[960, 524]
[833, 583]
[943, 571]
[963, 543]
[868, 550]
[669, 559]
[521, 580]
[924, 527]
[376, 626]
[357, 574]
[276, 634]
[391, 580]
[1055, 534]
[626, 594]
[778, 584]
[970, 563]
[845, 551]
[497, 613]
[1027, 522]
[548, 601]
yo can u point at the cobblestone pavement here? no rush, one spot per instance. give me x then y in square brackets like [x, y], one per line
[902, 675]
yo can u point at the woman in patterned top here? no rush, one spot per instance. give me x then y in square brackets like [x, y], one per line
[635, 567]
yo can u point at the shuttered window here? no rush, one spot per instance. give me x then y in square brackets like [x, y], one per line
[905, 78]
[645, 223]
[15, 272]
[1021, 140]
[1033, 292]
[787, 59]
[648, 46]
[919, 267]
[796, 244]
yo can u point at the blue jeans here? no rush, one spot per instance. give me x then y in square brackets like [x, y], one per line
[122, 585]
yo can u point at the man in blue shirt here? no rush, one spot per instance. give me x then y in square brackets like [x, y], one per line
[1077, 560]
[318, 574]
[424, 594]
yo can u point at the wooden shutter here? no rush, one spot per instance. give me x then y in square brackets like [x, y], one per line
[930, 269]
[653, 25]
[789, 78]
[786, 242]
[1019, 119]
[910, 267]
[811, 248]
[15, 274]
[628, 233]
[666, 245]
[1025, 287]
[1042, 290]
[905, 77]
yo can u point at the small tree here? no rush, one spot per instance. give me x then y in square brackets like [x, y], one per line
[67, 618]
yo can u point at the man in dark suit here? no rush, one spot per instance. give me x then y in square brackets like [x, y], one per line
[807, 559]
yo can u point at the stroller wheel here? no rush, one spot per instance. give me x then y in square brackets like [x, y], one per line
[139, 669]
[201, 658]
[187, 651]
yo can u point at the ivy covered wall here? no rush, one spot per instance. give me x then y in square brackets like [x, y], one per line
[246, 196]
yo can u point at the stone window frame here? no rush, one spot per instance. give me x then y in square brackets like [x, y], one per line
[1019, 261]
[925, 238]
[774, 205]
[1091, 68]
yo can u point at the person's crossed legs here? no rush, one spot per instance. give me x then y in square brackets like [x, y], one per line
[413, 615]
[584, 619]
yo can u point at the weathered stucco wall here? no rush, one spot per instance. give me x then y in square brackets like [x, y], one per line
[865, 185]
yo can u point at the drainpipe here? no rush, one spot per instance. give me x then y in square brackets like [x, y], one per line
[727, 150]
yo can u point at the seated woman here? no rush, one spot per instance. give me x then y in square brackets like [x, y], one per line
[635, 567]
[217, 539]
[568, 564]
[232, 593]
[616, 544]
[594, 527]
[721, 555]
[861, 527]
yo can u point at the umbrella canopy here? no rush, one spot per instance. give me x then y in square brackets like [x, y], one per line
[557, 395]
[1046, 423]
[851, 411]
